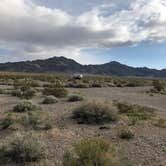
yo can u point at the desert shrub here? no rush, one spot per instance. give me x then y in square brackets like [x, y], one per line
[135, 111]
[131, 84]
[49, 85]
[119, 85]
[126, 134]
[37, 121]
[94, 113]
[82, 85]
[56, 91]
[161, 123]
[6, 122]
[25, 107]
[21, 148]
[26, 82]
[74, 98]
[158, 85]
[96, 85]
[91, 152]
[28, 94]
[50, 100]
[2, 91]
[123, 107]
[16, 93]
[24, 93]
[133, 121]
[78, 85]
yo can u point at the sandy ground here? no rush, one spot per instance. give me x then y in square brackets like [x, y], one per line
[148, 148]
[136, 95]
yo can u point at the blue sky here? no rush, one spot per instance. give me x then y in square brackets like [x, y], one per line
[151, 55]
[90, 32]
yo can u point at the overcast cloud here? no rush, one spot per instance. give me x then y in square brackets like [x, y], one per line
[30, 31]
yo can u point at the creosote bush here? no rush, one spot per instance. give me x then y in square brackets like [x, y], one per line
[21, 148]
[74, 98]
[50, 100]
[91, 152]
[25, 107]
[94, 113]
[126, 134]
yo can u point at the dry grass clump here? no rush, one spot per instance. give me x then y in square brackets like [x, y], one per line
[21, 148]
[135, 111]
[94, 113]
[91, 152]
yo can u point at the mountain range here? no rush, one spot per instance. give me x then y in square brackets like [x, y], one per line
[65, 65]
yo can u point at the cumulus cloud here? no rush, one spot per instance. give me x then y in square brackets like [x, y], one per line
[30, 31]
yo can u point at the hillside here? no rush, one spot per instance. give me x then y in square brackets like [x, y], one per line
[65, 65]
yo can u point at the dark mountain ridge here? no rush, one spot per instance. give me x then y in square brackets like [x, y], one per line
[65, 65]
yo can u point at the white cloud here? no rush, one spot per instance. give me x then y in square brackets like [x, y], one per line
[30, 31]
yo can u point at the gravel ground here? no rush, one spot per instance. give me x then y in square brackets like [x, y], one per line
[148, 148]
[136, 95]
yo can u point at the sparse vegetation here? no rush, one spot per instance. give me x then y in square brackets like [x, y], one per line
[158, 88]
[22, 147]
[135, 111]
[6, 122]
[25, 107]
[161, 123]
[158, 85]
[78, 85]
[56, 123]
[96, 85]
[2, 91]
[91, 152]
[57, 90]
[30, 120]
[50, 100]
[74, 98]
[24, 93]
[37, 121]
[126, 134]
[94, 113]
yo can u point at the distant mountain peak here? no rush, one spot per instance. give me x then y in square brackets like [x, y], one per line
[66, 65]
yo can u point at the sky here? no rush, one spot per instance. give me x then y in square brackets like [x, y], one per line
[132, 32]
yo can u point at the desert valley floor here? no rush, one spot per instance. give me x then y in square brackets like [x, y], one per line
[148, 148]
